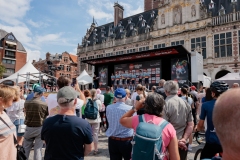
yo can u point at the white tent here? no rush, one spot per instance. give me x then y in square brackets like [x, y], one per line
[207, 81]
[27, 68]
[230, 78]
[84, 78]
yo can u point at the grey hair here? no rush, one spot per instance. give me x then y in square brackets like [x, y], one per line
[120, 100]
[38, 94]
[65, 105]
[162, 81]
[171, 87]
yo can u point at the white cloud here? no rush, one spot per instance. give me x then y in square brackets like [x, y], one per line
[13, 10]
[33, 54]
[99, 15]
[37, 24]
[48, 38]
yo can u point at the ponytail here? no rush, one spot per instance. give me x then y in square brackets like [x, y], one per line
[185, 92]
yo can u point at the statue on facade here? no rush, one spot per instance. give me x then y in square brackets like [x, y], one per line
[162, 19]
[177, 15]
[193, 11]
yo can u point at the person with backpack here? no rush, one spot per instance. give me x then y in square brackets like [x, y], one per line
[151, 130]
[92, 115]
[119, 137]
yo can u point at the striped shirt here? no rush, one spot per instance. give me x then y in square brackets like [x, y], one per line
[114, 113]
[8, 150]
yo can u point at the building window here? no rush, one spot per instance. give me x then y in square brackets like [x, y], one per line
[177, 43]
[9, 54]
[199, 42]
[223, 45]
[157, 46]
[65, 59]
[89, 67]
[10, 70]
[144, 48]
[68, 68]
[62, 67]
[8, 61]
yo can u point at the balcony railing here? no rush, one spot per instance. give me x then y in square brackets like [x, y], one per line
[232, 17]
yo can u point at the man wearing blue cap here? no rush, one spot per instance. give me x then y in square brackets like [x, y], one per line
[36, 112]
[31, 94]
[119, 137]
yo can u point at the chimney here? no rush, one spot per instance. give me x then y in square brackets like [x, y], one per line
[118, 13]
[150, 4]
[34, 61]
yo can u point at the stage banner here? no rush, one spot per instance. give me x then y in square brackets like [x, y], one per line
[153, 68]
[103, 76]
[180, 71]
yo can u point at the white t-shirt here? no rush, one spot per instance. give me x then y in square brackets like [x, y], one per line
[133, 98]
[52, 101]
[100, 97]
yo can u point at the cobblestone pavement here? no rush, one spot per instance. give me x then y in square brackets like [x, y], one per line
[104, 155]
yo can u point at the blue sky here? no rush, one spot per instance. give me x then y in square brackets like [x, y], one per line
[56, 26]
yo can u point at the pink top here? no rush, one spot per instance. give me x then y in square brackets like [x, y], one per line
[168, 132]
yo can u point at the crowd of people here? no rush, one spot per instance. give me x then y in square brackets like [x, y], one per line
[159, 122]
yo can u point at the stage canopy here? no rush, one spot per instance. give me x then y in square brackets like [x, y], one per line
[230, 78]
[27, 68]
[84, 78]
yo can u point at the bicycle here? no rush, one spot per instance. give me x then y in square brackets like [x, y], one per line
[200, 138]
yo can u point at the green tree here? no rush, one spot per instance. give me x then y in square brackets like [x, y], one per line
[2, 70]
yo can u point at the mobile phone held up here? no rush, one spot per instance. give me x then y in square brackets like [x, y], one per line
[74, 81]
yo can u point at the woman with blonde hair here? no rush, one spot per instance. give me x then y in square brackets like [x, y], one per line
[8, 151]
[95, 123]
[16, 114]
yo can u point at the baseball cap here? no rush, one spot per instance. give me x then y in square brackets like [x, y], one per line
[193, 88]
[185, 86]
[35, 85]
[67, 94]
[39, 89]
[120, 93]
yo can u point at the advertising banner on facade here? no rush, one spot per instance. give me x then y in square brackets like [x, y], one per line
[103, 76]
[180, 70]
[150, 69]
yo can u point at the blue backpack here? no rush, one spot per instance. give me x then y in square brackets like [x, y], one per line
[91, 110]
[147, 142]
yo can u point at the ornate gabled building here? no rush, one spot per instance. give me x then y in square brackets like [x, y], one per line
[211, 27]
[12, 53]
[67, 64]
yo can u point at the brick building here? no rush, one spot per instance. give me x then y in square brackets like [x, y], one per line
[66, 61]
[211, 27]
[12, 53]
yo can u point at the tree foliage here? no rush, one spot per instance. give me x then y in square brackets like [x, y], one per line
[2, 70]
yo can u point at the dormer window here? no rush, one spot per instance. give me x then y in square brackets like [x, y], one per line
[143, 23]
[10, 37]
[102, 35]
[211, 5]
[152, 14]
[147, 30]
[121, 29]
[102, 29]
[201, 1]
[119, 23]
[222, 11]
[233, 1]
[111, 32]
[130, 21]
[131, 27]
[140, 18]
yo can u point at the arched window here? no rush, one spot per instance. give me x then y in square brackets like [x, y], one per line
[221, 73]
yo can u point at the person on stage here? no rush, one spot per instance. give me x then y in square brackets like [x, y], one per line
[124, 79]
[133, 80]
[113, 77]
[117, 79]
[95, 81]
[129, 76]
[140, 77]
[146, 78]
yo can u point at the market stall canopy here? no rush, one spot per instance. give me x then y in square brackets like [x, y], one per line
[27, 68]
[207, 81]
[84, 78]
[230, 78]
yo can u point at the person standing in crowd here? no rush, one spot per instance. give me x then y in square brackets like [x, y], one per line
[128, 100]
[235, 85]
[96, 122]
[108, 99]
[30, 96]
[129, 76]
[193, 91]
[8, 150]
[154, 88]
[208, 96]
[52, 98]
[124, 79]
[66, 136]
[134, 95]
[102, 111]
[160, 89]
[119, 137]
[117, 78]
[179, 114]
[189, 100]
[36, 112]
[140, 77]
[225, 119]
[133, 80]
[16, 114]
[113, 78]
[99, 95]
[141, 94]
[87, 95]
[212, 145]
[153, 105]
